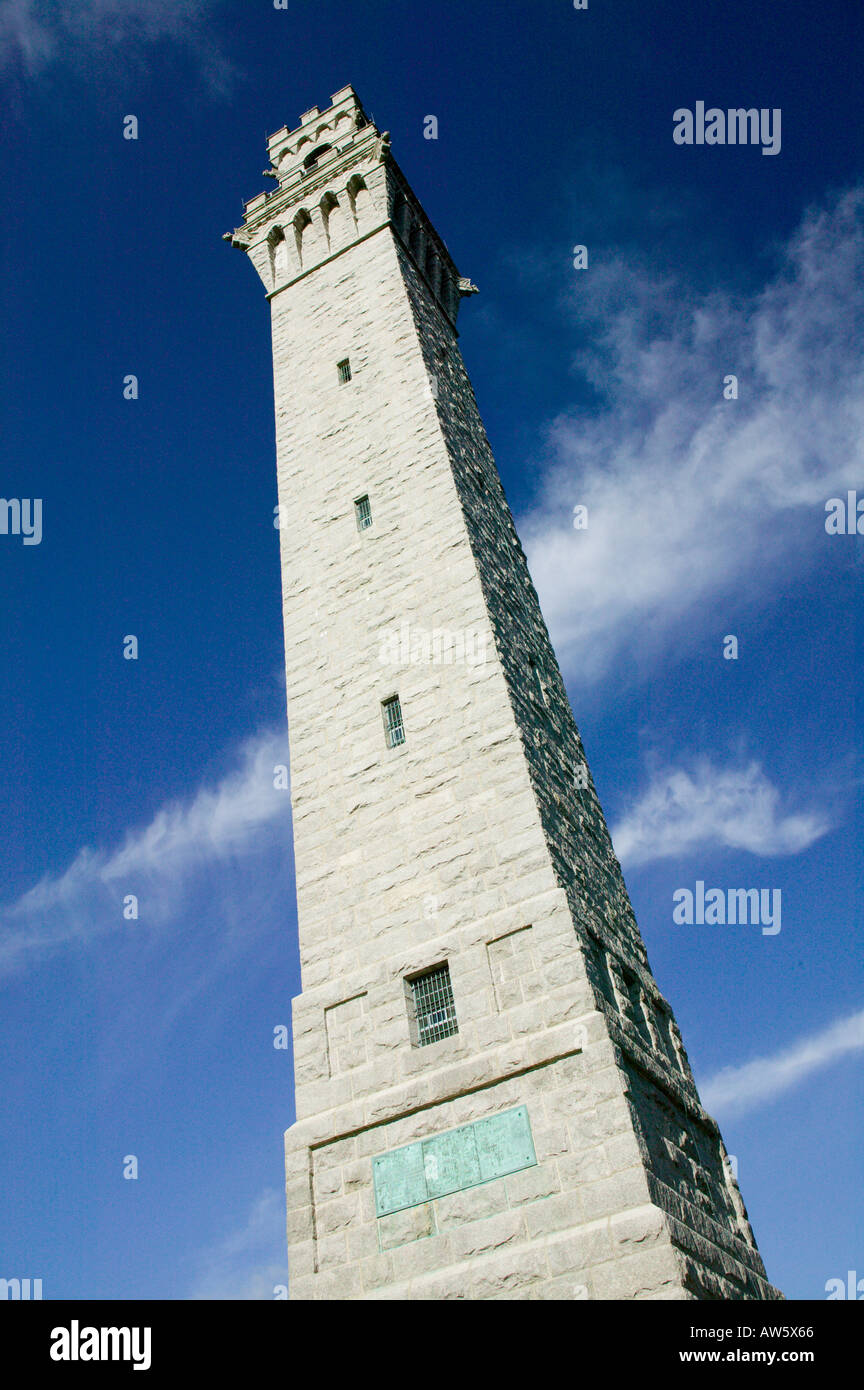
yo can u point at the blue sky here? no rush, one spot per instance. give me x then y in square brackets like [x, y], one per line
[600, 387]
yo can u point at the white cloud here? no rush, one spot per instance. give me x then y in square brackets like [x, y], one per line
[218, 823]
[707, 807]
[250, 1261]
[737, 1089]
[34, 34]
[693, 498]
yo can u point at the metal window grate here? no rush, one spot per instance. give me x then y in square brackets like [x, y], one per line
[344, 369]
[363, 513]
[434, 1006]
[393, 726]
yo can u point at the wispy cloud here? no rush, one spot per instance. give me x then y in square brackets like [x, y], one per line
[735, 1090]
[219, 822]
[34, 34]
[250, 1261]
[708, 807]
[692, 498]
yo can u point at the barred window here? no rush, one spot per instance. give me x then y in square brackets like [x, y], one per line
[363, 513]
[344, 370]
[394, 728]
[434, 1009]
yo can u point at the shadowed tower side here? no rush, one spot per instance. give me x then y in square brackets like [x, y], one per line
[493, 1100]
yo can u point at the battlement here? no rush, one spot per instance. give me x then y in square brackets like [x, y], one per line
[337, 184]
[341, 120]
[298, 157]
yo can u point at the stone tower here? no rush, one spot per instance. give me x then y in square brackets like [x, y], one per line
[493, 1100]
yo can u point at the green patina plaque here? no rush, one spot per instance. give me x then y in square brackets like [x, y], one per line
[450, 1162]
[399, 1179]
[504, 1144]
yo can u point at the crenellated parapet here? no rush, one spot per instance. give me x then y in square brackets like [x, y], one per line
[337, 184]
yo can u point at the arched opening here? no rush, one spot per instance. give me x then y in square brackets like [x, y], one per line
[314, 156]
[332, 219]
[278, 249]
[302, 222]
[416, 242]
[401, 216]
[447, 294]
[358, 197]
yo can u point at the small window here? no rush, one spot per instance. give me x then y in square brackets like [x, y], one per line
[434, 1009]
[344, 369]
[363, 513]
[537, 683]
[393, 726]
